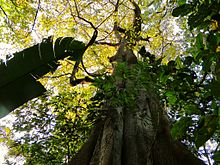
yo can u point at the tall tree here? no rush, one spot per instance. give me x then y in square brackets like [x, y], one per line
[135, 129]
[132, 126]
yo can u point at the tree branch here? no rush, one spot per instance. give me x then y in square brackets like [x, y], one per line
[35, 17]
[57, 76]
[107, 43]
[81, 81]
[7, 20]
[91, 42]
[78, 15]
[206, 154]
[137, 18]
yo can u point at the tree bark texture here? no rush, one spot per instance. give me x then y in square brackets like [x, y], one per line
[135, 132]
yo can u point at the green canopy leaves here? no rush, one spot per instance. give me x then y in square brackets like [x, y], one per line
[198, 12]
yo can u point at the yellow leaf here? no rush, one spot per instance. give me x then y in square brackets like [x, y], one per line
[218, 49]
[197, 94]
[70, 115]
[7, 131]
[214, 24]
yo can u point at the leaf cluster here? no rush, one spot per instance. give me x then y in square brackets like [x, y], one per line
[204, 106]
[200, 13]
[53, 128]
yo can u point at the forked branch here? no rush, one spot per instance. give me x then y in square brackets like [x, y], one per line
[73, 80]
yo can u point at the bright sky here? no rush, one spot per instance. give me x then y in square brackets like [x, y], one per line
[7, 121]
[3, 149]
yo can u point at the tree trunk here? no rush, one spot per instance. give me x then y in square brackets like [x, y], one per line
[136, 131]
[134, 134]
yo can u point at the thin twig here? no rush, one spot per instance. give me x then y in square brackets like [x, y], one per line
[13, 3]
[91, 42]
[105, 19]
[35, 17]
[206, 154]
[203, 79]
[57, 76]
[78, 15]
[107, 43]
[108, 34]
[4, 12]
[7, 20]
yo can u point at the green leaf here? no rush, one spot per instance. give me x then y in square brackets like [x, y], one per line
[70, 47]
[207, 62]
[212, 41]
[202, 55]
[18, 82]
[188, 61]
[181, 2]
[179, 63]
[163, 77]
[216, 157]
[182, 10]
[192, 109]
[3, 140]
[195, 20]
[171, 97]
[215, 88]
[208, 128]
[180, 127]
[199, 41]
[77, 49]
[171, 66]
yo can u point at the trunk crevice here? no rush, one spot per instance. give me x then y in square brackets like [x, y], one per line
[136, 130]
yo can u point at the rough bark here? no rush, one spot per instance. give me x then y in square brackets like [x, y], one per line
[134, 137]
[135, 134]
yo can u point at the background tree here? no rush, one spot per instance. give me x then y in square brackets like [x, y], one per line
[128, 100]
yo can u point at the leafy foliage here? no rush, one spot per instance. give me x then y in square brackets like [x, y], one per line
[204, 16]
[199, 13]
[55, 127]
[186, 78]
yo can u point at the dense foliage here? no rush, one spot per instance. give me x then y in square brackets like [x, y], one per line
[185, 75]
[203, 101]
